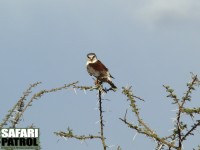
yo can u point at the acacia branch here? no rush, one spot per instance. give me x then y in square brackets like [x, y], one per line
[101, 121]
[191, 130]
[35, 97]
[128, 92]
[70, 134]
[19, 105]
[186, 97]
[191, 111]
[151, 135]
[144, 129]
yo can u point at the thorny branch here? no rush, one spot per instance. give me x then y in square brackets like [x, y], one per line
[142, 127]
[128, 92]
[19, 105]
[142, 131]
[15, 114]
[20, 108]
[178, 135]
[35, 97]
[70, 134]
[173, 141]
[191, 130]
[101, 121]
[186, 97]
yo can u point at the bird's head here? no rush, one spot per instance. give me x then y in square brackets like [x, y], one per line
[92, 58]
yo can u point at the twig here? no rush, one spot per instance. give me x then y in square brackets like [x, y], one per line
[190, 131]
[19, 105]
[186, 97]
[101, 121]
[139, 98]
[36, 96]
[144, 129]
[78, 137]
[140, 130]
[70, 134]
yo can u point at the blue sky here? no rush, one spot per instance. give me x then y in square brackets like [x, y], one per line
[144, 44]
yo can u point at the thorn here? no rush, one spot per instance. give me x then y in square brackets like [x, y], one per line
[85, 142]
[58, 140]
[75, 91]
[155, 141]
[198, 131]
[125, 114]
[134, 136]
[159, 148]
[109, 110]
[173, 119]
[65, 138]
[106, 99]
[111, 146]
[96, 108]
[105, 121]
[171, 129]
[174, 110]
[182, 146]
[84, 91]
[97, 122]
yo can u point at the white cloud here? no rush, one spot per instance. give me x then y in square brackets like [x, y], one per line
[156, 11]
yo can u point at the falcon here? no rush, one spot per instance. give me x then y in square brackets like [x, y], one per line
[97, 69]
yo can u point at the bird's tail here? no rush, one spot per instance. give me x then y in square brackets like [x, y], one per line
[112, 84]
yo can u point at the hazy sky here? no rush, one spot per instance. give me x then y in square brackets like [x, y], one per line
[144, 43]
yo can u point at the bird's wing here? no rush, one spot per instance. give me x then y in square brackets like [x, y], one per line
[104, 69]
[98, 69]
[99, 66]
